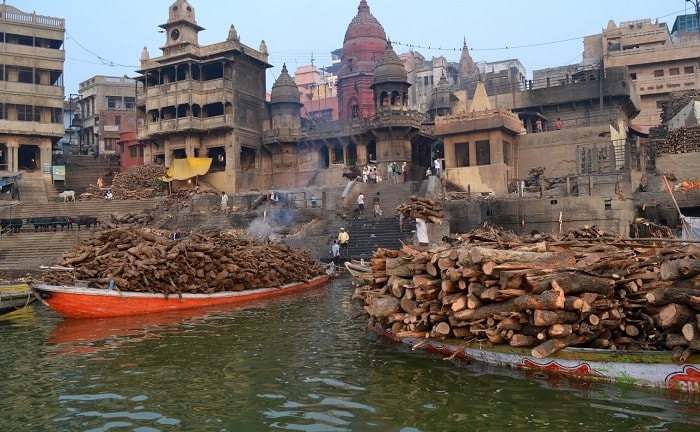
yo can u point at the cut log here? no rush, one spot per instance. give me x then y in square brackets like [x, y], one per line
[679, 269]
[571, 283]
[521, 340]
[672, 294]
[560, 330]
[539, 259]
[541, 317]
[674, 316]
[551, 346]
[385, 306]
[398, 267]
[442, 329]
[553, 299]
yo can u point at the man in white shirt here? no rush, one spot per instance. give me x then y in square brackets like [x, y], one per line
[361, 202]
[437, 166]
[422, 232]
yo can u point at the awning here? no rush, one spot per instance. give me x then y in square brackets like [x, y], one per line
[183, 169]
[637, 132]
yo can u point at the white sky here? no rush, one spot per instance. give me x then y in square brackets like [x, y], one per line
[106, 37]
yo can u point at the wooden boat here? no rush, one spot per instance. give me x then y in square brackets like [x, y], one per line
[13, 297]
[357, 270]
[642, 368]
[82, 302]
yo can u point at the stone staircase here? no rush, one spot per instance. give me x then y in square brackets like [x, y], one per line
[366, 232]
[32, 187]
[29, 249]
[84, 170]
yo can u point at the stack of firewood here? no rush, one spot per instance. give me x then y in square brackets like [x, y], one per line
[138, 182]
[205, 262]
[429, 210]
[683, 140]
[547, 296]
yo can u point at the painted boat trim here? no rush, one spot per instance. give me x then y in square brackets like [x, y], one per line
[82, 302]
[642, 368]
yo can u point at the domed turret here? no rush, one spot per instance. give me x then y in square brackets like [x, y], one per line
[390, 68]
[285, 90]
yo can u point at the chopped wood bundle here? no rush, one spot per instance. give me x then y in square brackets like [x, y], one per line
[620, 295]
[138, 182]
[429, 210]
[206, 262]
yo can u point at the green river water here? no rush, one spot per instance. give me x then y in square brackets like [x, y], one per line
[295, 364]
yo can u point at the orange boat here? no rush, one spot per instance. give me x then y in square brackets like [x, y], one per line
[80, 302]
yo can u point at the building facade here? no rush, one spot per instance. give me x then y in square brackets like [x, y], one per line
[204, 101]
[657, 64]
[107, 107]
[31, 85]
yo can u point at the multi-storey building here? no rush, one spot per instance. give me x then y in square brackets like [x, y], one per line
[657, 65]
[204, 101]
[31, 88]
[107, 108]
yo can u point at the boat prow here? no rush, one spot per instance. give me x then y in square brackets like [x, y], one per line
[83, 302]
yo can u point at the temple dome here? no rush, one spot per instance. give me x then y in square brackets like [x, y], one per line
[364, 43]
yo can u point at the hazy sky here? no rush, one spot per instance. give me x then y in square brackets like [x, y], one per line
[106, 37]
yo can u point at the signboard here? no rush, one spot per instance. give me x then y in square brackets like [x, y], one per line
[46, 169]
[59, 172]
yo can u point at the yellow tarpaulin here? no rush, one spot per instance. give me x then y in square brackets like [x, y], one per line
[183, 169]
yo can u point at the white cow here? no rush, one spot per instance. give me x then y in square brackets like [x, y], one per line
[68, 195]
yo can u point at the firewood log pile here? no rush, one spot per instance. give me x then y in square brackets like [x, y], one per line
[544, 295]
[138, 182]
[683, 140]
[427, 209]
[204, 262]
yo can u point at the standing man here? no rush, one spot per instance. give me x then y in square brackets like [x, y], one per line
[436, 165]
[343, 239]
[422, 232]
[558, 123]
[375, 204]
[335, 249]
[404, 170]
[538, 124]
[361, 203]
[224, 202]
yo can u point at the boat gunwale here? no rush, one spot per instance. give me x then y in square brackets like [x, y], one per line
[72, 289]
[589, 364]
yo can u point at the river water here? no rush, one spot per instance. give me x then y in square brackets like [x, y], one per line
[292, 364]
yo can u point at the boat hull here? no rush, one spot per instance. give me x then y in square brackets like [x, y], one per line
[14, 297]
[79, 302]
[642, 368]
[357, 271]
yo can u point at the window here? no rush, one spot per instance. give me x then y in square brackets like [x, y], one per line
[129, 102]
[113, 102]
[506, 152]
[674, 71]
[118, 120]
[27, 113]
[355, 112]
[688, 70]
[633, 75]
[132, 151]
[121, 148]
[658, 73]
[659, 104]
[483, 153]
[462, 154]
[56, 115]
[2, 112]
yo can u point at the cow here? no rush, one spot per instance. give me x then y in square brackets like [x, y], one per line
[68, 195]
[87, 221]
[11, 225]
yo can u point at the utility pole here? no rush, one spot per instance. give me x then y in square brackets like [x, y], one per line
[696, 3]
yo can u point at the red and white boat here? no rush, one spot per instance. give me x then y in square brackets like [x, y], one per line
[641, 368]
[81, 302]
